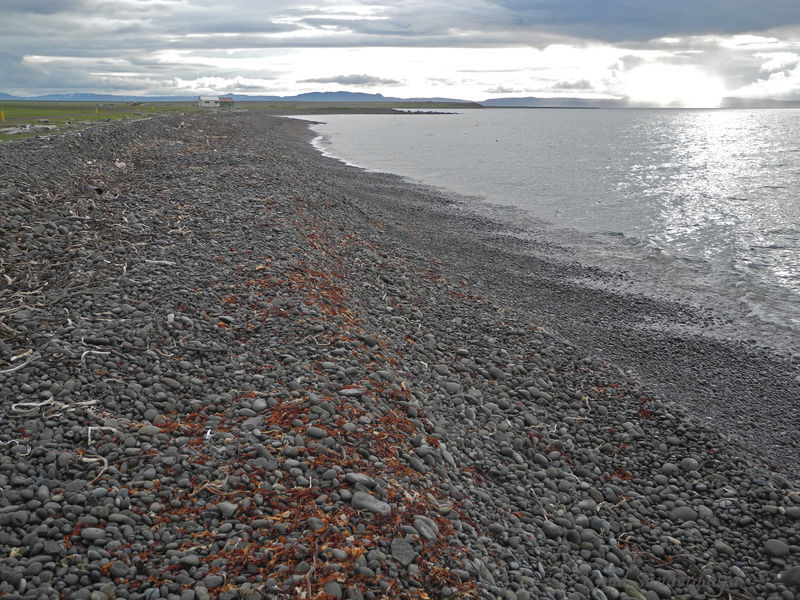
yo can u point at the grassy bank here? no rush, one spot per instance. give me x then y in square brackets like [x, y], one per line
[70, 116]
[76, 115]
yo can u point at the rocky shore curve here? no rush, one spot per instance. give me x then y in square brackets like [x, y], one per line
[223, 375]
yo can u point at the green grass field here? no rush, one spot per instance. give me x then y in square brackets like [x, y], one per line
[71, 116]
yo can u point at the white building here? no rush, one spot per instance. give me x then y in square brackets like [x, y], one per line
[208, 101]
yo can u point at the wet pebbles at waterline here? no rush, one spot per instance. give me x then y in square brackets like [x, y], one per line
[222, 377]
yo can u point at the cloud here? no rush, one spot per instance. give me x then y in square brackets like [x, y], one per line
[502, 89]
[580, 85]
[782, 79]
[783, 85]
[353, 80]
[778, 61]
[216, 84]
[419, 47]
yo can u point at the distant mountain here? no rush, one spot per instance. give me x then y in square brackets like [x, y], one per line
[341, 96]
[87, 97]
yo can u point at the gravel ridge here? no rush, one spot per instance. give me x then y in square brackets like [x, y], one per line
[225, 372]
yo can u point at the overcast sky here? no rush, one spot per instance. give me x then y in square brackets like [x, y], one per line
[688, 51]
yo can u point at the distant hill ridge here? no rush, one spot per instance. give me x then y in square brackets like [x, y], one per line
[344, 96]
[307, 97]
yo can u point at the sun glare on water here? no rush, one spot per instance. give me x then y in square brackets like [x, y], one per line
[671, 85]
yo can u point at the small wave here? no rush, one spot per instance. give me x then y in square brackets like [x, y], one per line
[783, 231]
[763, 312]
[321, 143]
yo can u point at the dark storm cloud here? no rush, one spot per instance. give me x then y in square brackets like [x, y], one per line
[44, 7]
[626, 20]
[354, 80]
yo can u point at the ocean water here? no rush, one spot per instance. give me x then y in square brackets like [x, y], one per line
[700, 206]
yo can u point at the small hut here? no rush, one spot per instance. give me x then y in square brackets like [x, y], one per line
[208, 101]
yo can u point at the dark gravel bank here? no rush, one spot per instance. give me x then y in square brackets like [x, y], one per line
[231, 369]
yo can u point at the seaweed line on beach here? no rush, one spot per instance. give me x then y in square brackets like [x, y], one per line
[227, 372]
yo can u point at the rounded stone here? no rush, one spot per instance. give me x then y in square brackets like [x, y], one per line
[683, 513]
[776, 548]
[228, 509]
[213, 581]
[403, 552]
[552, 530]
[332, 588]
[791, 578]
[363, 501]
[669, 469]
[316, 432]
[661, 589]
[689, 464]
[363, 479]
[426, 528]
[91, 534]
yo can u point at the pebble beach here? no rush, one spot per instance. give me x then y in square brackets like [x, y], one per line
[230, 369]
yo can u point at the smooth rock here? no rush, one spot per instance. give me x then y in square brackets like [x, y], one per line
[791, 577]
[364, 501]
[228, 509]
[403, 551]
[683, 513]
[365, 480]
[776, 548]
[426, 527]
[552, 530]
[91, 534]
[316, 432]
[332, 588]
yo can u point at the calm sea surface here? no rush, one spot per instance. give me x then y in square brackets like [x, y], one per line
[701, 206]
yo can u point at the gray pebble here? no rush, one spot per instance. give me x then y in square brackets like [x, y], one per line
[332, 588]
[791, 577]
[683, 513]
[776, 548]
[402, 551]
[228, 509]
[91, 534]
[365, 480]
[212, 581]
[722, 547]
[149, 430]
[201, 593]
[689, 464]
[552, 530]
[426, 527]
[364, 501]
[316, 432]
[661, 589]
[352, 392]
[669, 469]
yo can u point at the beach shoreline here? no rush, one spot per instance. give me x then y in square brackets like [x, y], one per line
[232, 368]
[741, 387]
